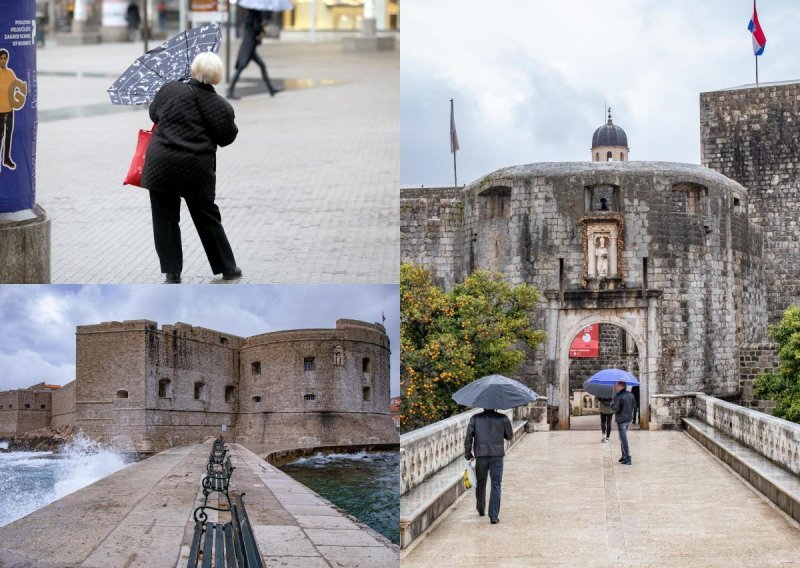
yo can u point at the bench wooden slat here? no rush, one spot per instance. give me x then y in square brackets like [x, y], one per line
[230, 553]
[248, 538]
[207, 545]
[219, 556]
[195, 548]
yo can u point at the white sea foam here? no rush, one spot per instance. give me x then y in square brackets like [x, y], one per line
[320, 459]
[39, 478]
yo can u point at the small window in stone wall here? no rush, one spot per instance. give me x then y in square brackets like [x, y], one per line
[609, 157]
[223, 340]
[199, 391]
[365, 365]
[124, 394]
[256, 399]
[601, 198]
[27, 406]
[495, 203]
[366, 393]
[43, 406]
[308, 364]
[737, 206]
[309, 396]
[164, 388]
[230, 393]
[689, 198]
[255, 367]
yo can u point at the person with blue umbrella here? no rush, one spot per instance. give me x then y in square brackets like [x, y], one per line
[487, 432]
[623, 403]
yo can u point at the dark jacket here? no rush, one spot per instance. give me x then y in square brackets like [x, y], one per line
[605, 406]
[488, 430]
[192, 120]
[132, 16]
[253, 27]
[623, 404]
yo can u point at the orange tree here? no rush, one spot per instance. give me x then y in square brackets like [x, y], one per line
[449, 339]
[783, 386]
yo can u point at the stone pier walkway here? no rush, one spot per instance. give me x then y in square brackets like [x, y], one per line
[567, 502]
[141, 516]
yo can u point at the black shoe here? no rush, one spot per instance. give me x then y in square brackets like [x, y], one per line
[275, 91]
[9, 164]
[233, 96]
[480, 512]
[620, 460]
[233, 274]
[173, 278]
[495, 520]
[627, 462]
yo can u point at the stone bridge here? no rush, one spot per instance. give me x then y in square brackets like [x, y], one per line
[712, 484]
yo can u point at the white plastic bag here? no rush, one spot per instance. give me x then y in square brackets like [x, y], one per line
[469, 475]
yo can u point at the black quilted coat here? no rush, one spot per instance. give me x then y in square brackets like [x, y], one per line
[192, 120]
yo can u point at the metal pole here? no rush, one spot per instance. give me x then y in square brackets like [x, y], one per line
[756, 70]
[145, 25]
[228, 45]
[455, 151]
[313, 21]
[182, 15]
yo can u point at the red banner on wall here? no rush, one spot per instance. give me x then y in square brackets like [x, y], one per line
[586, 344]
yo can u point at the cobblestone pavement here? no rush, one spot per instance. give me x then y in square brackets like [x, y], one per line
[308, 192]
[567, 502]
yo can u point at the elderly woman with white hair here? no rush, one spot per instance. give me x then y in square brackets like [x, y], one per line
[191, 121]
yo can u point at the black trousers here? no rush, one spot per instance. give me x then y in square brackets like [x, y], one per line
[6, 131]
[605, 424]
[484, 468]
[166, 209]
[263, 66]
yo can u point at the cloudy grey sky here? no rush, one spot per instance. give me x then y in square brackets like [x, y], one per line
[530, 77]
[37, 323]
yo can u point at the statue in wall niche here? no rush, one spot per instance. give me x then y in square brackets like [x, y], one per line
[601, 252]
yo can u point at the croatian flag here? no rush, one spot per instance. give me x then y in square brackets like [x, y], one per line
[759, 39]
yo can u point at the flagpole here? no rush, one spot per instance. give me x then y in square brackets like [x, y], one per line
[756, 71]
[455, 171]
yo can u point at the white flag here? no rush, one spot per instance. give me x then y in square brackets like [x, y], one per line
[453, 133]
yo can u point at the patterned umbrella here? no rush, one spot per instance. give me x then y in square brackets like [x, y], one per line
[264, 5]
[170, 61]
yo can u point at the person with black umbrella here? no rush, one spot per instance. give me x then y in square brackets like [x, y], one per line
[488, 431]
[253, 29]
[486, 435]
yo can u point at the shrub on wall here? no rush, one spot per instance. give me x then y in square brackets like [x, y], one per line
[783, 386]
[449, 339]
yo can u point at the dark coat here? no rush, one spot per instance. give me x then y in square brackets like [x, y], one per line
[192, 120]
[253, 26]
[623, 404]
[487, 430]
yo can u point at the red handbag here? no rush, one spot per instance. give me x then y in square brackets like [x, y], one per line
[134, 176]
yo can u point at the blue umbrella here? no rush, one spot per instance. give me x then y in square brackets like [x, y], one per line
[602, 384]
[170, 61]
[495, 391]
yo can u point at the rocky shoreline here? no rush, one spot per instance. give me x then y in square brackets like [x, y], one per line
[42, 440]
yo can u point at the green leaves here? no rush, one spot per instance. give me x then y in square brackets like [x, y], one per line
[784, 385]
[449, 339]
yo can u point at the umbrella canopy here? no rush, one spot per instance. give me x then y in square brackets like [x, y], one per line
[267, 5]
[495, 391]
[170, 61]
[602, 384]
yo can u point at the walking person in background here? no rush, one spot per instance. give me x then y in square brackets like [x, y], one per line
[623, 405]
[253, 28]
[637, 415]
[192, 121]
[606, 412]
[133, 19]
[486, 435]
[162, 16]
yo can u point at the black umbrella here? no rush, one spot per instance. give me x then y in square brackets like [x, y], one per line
[170, 61]
[495, 391]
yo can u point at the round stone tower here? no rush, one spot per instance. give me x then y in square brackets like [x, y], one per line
[609, 143]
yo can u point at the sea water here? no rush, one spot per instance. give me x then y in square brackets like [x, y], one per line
[32, 480]
[365, 484]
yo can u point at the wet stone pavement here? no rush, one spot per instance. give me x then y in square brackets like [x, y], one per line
[308, 192]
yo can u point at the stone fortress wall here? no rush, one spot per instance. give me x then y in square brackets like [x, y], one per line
[149, 388]
[704, 258]
[22, 410]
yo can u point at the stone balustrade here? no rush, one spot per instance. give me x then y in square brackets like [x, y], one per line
[774, 438]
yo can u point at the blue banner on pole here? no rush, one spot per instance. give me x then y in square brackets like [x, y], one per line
[17, 105]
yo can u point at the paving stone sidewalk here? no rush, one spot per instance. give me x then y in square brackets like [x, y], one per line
[308, 192]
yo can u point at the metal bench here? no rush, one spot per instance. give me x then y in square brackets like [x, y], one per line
[216, 459]
[229, 545]
[217, 482]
